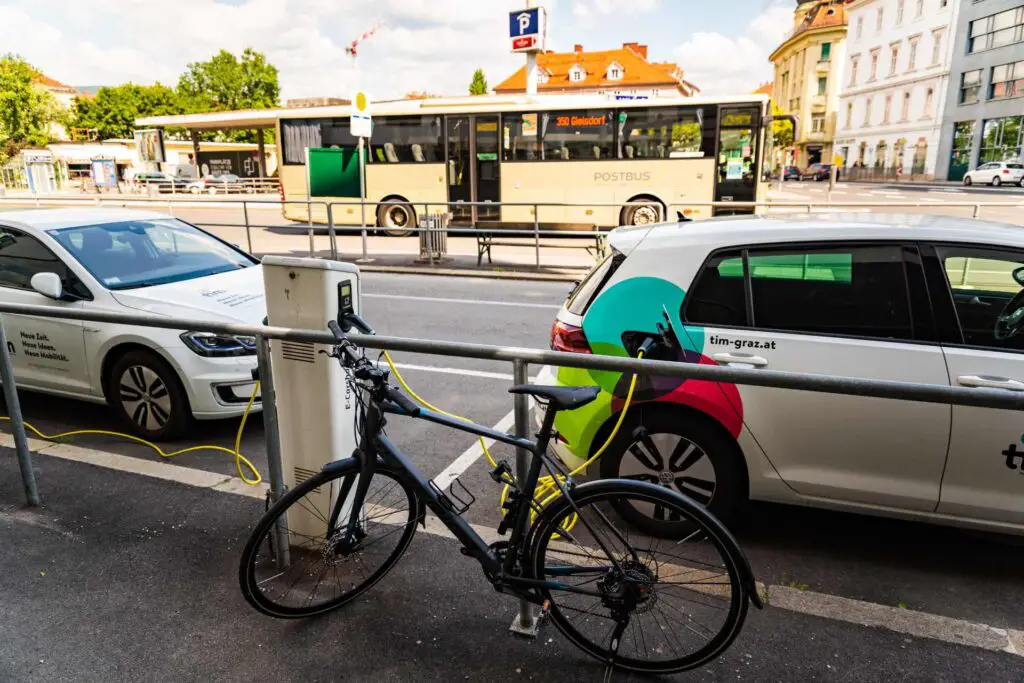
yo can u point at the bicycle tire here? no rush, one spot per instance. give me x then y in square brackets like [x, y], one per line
[261, 540]
[549, 529]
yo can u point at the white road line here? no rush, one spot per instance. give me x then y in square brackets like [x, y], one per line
[442, 300]
[455, 371]
[471, 455]
[858, 612]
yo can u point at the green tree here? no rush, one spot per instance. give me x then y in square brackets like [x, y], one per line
[26, 111]
[225, 83]
[112, 112]
[478, 86]
[782, 131]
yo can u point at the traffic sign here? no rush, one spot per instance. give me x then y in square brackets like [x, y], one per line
[360, 121]
[527, 29]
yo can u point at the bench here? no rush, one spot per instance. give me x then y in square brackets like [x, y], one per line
[595, 244]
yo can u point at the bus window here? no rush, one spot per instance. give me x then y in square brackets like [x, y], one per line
[297, 135]
[521, 141]
[407, 140]
[583, 134]
[661, 133]
[338, 133]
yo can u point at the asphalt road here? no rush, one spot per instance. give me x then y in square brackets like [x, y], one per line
[921, 567]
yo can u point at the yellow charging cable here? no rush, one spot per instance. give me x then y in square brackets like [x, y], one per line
[548, 487]
[240, 459]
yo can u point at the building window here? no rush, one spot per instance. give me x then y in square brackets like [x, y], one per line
[960, 158]
[867, 112]
[1007, 81]
[881, 152]
[929, 97]
[996, 30]
[878, 20]
[1001, 139]
[817, 123]
[970, 86]
[894, 58]
[905, 111]
[542, 77]
[849, 114]
[874, 65]
[937, 46]
[822, 85]
[920, 9]
[899, 12]
[854, 61]
[614, 72]
[577, 74]
[886, 109]
[912, 60]
[826, 52]
[860, 27]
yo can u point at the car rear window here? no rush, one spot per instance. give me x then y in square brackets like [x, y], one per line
[589, 287]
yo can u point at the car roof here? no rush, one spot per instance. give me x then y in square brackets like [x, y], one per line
[739, 230]
[41, 220]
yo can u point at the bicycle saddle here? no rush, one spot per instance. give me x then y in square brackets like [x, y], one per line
[562, 398]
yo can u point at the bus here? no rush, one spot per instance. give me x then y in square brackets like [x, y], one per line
[588, 161]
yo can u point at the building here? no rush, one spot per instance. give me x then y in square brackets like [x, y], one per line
[984, 108]
[895, 81]
[624, 72]
[64, 95]
[808, 70]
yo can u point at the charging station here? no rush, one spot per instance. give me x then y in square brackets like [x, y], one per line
[315, 406]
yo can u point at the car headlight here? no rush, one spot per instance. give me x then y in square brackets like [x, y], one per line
[211, 344]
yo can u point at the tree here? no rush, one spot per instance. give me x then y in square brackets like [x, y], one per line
[227, 83]
[782, 131]
[26, 111]
[112, 112]
[478, 86]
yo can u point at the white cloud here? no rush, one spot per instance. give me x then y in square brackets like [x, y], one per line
[724, 65]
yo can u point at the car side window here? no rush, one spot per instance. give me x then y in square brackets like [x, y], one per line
[717, 296]
[982, 283]
[22, 256]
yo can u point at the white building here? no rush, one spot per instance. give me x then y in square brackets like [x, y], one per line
[894, 84]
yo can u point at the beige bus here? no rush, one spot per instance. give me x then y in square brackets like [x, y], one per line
[588, 161]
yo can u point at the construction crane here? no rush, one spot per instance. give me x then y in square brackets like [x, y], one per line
[353, 47]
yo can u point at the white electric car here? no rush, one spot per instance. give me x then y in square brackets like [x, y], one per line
[996, 173]
[924, 299]
[130, 261]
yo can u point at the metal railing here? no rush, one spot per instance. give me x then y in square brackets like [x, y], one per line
[520, 358]
[532, 236]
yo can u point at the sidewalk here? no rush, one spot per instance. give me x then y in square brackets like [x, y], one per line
[123, 577]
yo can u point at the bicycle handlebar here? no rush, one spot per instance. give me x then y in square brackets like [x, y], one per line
[355, 361]
[396, 396]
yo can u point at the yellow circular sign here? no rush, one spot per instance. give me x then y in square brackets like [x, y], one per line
[361, 101]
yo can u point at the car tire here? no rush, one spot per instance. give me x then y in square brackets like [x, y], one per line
[395, 218]
[996, 181]
[967, 181]
[147, 395]
[194, 190]
[212, 190]
[705, 452]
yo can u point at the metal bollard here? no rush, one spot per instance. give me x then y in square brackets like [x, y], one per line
[330, 231]
[275, 470]
[977, 210]
[536, 234]
[28, 476]
[526, 622]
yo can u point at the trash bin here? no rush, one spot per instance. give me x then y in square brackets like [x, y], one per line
[434, 236]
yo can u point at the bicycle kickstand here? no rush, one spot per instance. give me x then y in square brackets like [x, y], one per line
[609, 669]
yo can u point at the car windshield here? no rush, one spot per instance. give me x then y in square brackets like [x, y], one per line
[143, 253]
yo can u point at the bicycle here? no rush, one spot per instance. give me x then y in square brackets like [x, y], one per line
[336, 534]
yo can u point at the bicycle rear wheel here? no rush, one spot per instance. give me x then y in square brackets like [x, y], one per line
[636, 602]
[325, 566]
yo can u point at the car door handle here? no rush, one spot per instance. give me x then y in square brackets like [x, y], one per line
[990, 382]
[742, 359]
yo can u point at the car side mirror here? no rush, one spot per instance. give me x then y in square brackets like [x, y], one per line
[48, 284]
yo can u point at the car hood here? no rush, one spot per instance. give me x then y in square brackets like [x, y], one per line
[234, 296]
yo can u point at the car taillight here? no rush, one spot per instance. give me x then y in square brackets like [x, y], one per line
[565, 337]
[1006, 170]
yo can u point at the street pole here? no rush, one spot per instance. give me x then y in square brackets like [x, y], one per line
[28, 476]
[531, 64]
[362, 199]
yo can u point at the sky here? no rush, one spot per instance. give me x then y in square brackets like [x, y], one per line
[421, 45]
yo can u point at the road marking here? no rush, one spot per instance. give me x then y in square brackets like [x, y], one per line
[481, 302]
[858, 612]
[455, 371]
[471, 454]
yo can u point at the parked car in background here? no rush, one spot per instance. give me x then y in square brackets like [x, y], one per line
[158, 181]
[996, 173]
[224, 184]
[817, 172]
[791, 173]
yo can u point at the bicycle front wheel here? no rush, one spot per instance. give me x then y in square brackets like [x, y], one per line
[639, 603]
[301, 558]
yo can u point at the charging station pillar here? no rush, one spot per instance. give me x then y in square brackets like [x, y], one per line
[315, 406]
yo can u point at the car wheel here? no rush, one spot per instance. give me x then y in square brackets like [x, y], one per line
[194, 190]
[147, 395]
[212, 190]
[680, 453]
[642, 214]
[967, 181]
[996, 182]
[396, 218]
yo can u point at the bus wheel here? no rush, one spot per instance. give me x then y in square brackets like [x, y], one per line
[642, 214]
[396, 218]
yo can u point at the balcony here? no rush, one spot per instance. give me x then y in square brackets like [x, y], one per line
[823, 66]
[819, 103]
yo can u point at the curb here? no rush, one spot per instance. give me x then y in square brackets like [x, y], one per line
[494, 274]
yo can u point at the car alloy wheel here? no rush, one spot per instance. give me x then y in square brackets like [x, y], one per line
[996, 181]
[145, 398]
[672, 461]
[967, 180]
